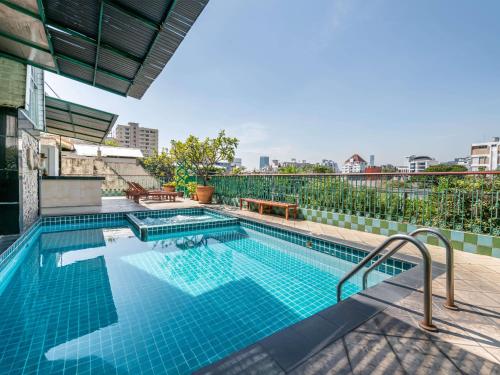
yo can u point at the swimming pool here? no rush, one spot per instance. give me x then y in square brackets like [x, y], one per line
[88, 296]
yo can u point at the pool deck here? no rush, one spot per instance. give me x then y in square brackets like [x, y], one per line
[386, 338]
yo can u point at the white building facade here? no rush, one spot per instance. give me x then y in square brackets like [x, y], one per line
[485, 156]
[417, 164]
[355, 164]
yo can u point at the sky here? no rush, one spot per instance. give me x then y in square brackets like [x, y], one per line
[326, 79]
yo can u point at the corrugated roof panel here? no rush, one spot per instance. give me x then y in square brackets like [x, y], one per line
[118, 64]
[79, 15]
[24, 52]
[154, 11]
[91, 150]
[72, 134]
[77, 121]
[116, 24]
[137, 38]
[74, 47]
[22, 26]
[108, 81]
[75, 70]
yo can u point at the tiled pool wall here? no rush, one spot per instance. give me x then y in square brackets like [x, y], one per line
[152, 230]
[391, 266]
[55, 223]
[475, 243]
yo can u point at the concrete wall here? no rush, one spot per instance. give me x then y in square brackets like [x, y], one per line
[70, 193]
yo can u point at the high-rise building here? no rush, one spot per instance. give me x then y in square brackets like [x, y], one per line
[135, 136]
[486, 155]
[264, 162]
[372, 160]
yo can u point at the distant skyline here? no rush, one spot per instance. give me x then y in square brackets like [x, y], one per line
[381, 77]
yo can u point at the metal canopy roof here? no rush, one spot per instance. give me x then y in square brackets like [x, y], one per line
[117, 45]
[77, 121]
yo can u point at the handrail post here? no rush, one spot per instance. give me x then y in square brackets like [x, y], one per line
[450, 267]
[426, 323]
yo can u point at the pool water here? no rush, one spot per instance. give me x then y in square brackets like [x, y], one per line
[177, 219]
[100, 301]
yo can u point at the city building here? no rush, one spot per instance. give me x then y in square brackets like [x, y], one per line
[485, 156]
[264, 162]
[330, 164]
[372, 160]
[420, 163]
[355, 164]
[403, 169]
[464, 161]
[135, 136]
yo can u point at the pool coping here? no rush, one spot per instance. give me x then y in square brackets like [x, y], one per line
[296, 344]
[145, 231]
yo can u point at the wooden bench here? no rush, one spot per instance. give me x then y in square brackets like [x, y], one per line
[261, 203]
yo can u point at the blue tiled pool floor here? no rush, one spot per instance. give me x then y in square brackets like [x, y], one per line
[100, 301]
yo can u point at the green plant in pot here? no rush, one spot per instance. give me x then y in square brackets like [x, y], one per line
[200, 157]
[169, 186]
[191, 188]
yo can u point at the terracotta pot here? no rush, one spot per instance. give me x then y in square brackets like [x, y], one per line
[194, 197]
[204, 193]
[169, 189]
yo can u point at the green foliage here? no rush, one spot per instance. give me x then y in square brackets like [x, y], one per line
[159, 165]
[170, 183]
[292, 169]
[388, 168]
[111, 142]
[237, 170]
[191, 187]
[199, 157]
[461, 202]
[446, 168]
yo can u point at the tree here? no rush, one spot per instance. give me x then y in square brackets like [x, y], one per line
[322, 169]
[159, 165]
[446, 168]
[201, 156]
[111, 142]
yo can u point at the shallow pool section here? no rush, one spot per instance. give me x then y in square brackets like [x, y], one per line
[97, 299]
[149, 223]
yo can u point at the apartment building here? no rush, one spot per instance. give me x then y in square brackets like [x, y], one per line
[135, 136]
[355, 164]
[485, 156]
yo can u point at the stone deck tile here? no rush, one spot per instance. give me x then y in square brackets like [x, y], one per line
[468, 340]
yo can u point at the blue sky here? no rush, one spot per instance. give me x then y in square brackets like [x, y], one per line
[326, 79]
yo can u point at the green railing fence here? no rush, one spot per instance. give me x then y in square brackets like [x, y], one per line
[463, 201]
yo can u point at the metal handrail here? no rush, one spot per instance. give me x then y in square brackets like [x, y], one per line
[450, 279]
[427, 262]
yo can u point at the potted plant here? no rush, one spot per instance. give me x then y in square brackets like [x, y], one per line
[200, 157]
[191, 188]
[169, 186]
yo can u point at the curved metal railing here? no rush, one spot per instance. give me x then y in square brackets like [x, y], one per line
[426, 323]
[450, 278]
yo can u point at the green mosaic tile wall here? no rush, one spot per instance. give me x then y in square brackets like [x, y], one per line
[465, 241]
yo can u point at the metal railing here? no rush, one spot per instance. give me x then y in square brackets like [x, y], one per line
[465, 201]
[426, 323]
[450, 279]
